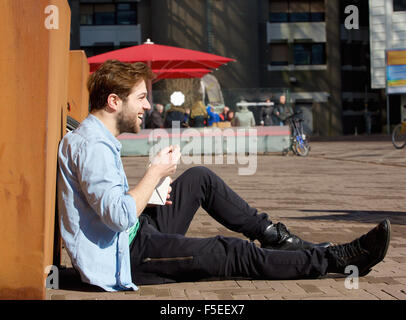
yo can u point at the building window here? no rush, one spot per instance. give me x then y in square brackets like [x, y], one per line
[279, 54]
[296, 11]
[299, 11]
[399, 5]
[126, 13]
[86, 14]
[108, 14]
[317, 11]
[278, 11]
[309, 54]
[104, 14]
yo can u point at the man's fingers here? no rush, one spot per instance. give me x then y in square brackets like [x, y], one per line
[166, 150]
[169, 193]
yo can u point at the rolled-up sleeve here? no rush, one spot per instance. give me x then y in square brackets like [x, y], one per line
[103, 183]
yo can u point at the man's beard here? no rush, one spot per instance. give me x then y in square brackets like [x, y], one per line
[127, 122]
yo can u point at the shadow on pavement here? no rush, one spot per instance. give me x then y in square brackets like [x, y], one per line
[69, 279]
[395, 217]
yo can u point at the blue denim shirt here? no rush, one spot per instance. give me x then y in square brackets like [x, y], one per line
[95, 210]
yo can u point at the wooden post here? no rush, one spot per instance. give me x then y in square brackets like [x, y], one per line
[78, 96]
[34, 57]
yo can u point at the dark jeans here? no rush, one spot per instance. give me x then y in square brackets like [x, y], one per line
[197, 122]
[161, 253]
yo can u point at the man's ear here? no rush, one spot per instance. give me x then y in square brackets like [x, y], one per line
[113, 102]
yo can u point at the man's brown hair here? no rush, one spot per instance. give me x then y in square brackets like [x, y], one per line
[116, 77]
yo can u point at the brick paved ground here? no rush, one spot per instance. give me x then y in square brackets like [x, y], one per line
[337, 193]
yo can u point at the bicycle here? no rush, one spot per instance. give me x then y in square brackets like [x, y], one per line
[299, 143]
[399, 135]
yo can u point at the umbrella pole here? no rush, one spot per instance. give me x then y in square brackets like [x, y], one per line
[149, 89]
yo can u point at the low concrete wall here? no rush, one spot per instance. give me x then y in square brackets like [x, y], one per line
[195, 141]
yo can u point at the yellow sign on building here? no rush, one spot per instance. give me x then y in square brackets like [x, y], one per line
[396, 71]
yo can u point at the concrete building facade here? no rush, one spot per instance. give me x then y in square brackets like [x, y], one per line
[387, 32]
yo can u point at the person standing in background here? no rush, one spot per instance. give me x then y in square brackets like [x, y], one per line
[244, 117]
[198, 115]
[283, 110]
[155, 119]
[266, 114]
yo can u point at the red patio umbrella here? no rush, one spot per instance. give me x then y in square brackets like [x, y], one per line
[179, 73]
[161, 57]
[165, 61]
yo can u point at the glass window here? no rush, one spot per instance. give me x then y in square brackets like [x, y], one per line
[86, 14]
[278, 17]
[317, 16]
[317, 10]
[278, 11]
[309, 54]
[124, 6]
[126, 13]
[104, 14]
[299, 16]
[399, 5]
[301, 54]
[299, 10]
[318, 54]
[279, 54]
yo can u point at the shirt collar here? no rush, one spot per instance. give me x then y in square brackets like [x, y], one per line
[106, 131]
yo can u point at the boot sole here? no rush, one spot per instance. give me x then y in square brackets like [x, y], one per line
[382, 256]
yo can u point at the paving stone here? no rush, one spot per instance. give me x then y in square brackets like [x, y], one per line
[397, 291]
[178, 293]
[241, 297]
[258, 297]
[310, 288]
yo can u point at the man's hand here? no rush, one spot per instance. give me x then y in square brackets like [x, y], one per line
[169, 202]
[168, 196]
[164, 164]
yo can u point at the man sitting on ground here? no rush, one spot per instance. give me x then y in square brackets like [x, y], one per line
[115, 240]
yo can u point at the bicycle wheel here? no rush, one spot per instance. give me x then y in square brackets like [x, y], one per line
[301, 148]
[399, 136]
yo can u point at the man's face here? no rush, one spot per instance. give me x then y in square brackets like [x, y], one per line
[130, 118]
[282, 99]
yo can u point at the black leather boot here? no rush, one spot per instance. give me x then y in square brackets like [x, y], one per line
[364, 252]
[278, 237]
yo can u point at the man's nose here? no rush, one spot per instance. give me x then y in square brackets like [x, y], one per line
[147, 105]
